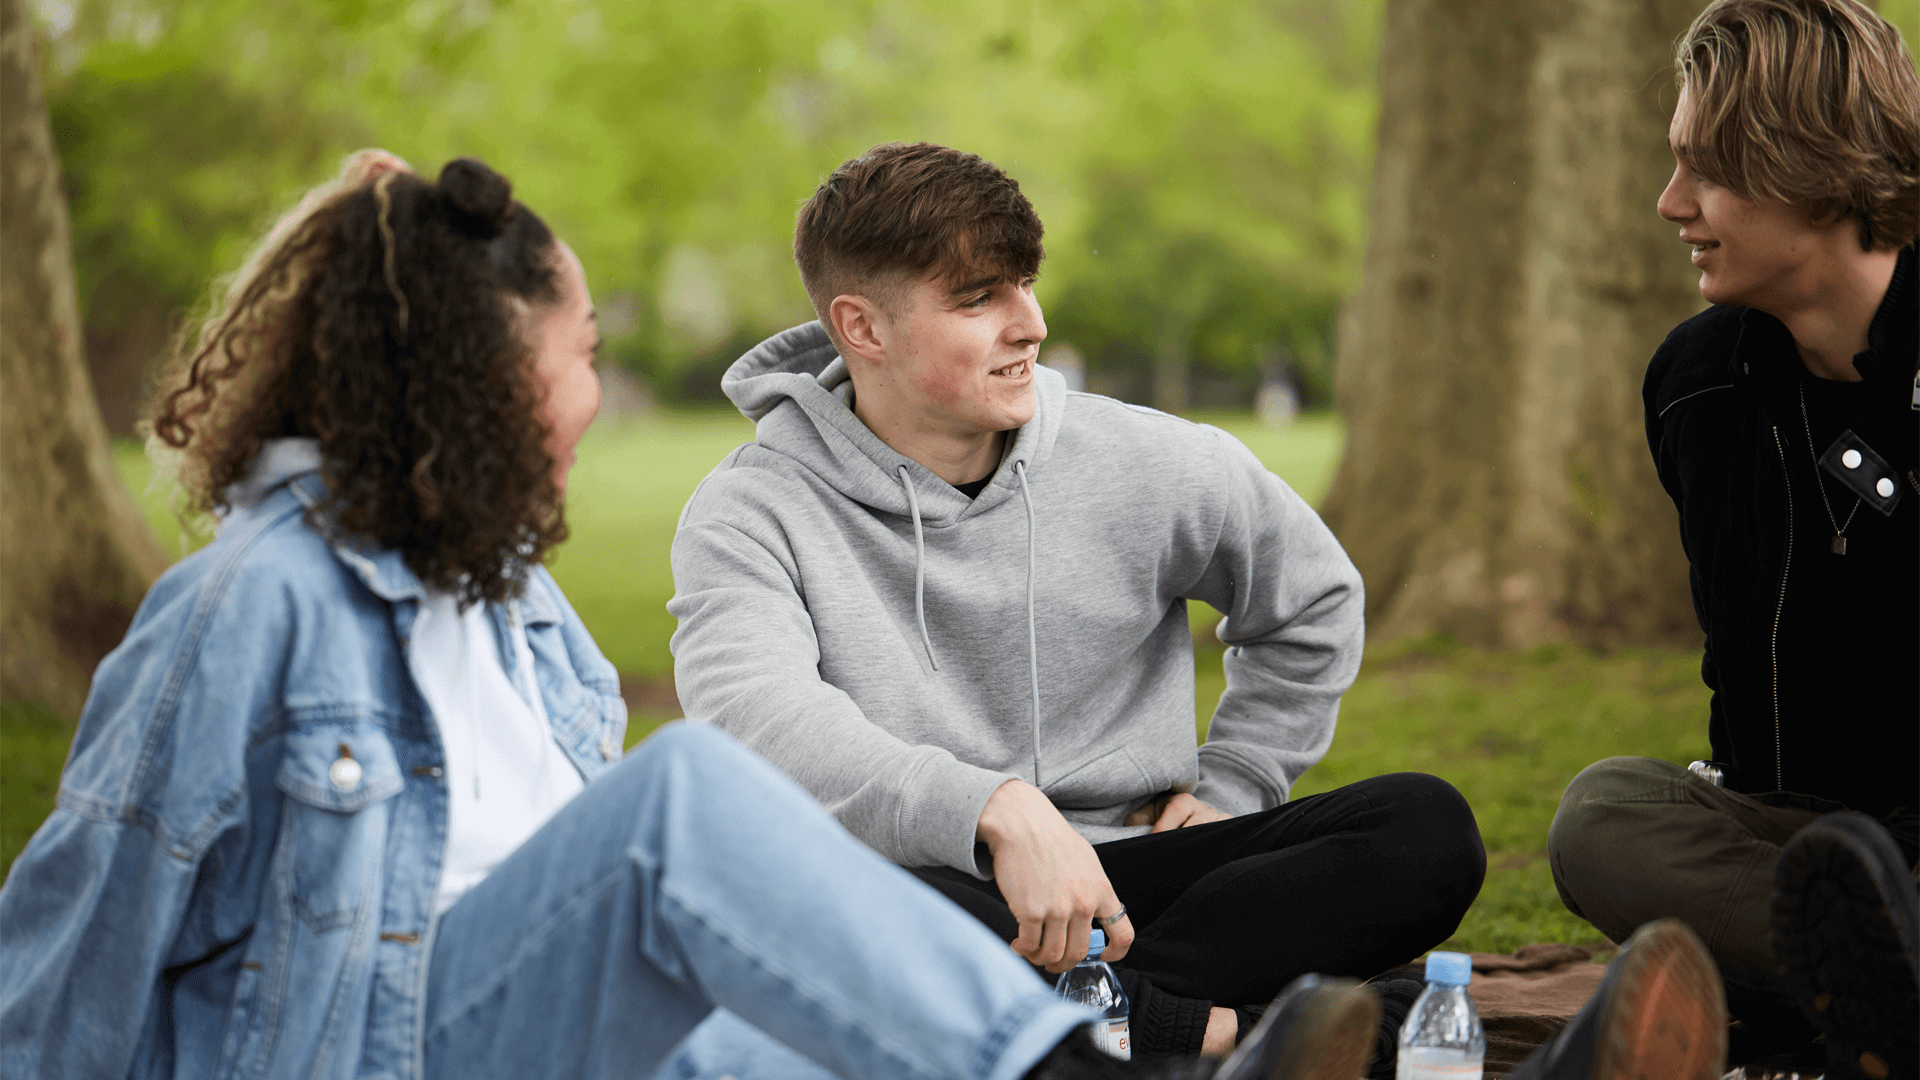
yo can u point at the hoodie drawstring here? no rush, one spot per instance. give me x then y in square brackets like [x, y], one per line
[1033, 641]
[920, 594]
[920, 566]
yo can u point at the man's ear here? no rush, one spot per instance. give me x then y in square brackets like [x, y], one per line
[1826, 214]
[863, 329]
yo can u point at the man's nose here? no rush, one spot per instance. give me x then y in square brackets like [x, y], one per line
[1029, 325]
[1676, 202]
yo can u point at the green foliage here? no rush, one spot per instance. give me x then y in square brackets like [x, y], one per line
[120, 122]
[1201, 163]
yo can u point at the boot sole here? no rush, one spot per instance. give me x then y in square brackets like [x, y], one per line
[1838, 933]
[1667, 1016]
[1333, 1037]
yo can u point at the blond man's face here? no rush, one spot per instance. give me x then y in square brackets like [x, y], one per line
[1747, 251]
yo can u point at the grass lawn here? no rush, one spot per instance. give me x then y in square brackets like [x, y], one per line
[1508, 729]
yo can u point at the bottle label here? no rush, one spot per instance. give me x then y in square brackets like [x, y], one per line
[1111, 1036]
[1432, 1063]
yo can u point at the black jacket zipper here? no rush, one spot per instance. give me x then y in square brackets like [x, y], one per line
[1786, 566]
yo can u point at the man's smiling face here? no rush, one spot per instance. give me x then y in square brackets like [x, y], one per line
[1748, 251]
[965, 352]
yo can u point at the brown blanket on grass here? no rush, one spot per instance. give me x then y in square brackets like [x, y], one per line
[1526, 997]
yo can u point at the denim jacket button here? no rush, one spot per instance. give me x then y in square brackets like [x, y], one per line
[344, 772]
[610, 749]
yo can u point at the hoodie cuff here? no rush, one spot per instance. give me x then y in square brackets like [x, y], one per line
[940, 806]
[1230, 787]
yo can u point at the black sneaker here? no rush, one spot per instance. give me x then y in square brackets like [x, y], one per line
[1077, 1057]
[1317, 1029]
[1396, 1000]
[1658, 1015]
[1845, 926]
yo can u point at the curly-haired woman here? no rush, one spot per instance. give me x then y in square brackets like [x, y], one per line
[349, 800]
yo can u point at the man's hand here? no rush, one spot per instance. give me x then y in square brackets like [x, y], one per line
[1174, 810]
[1050, 877]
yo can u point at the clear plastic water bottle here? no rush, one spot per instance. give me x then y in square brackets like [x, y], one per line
[1092, 982]
[1442, 1038]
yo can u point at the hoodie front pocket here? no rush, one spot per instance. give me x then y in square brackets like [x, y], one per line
[1111, 778]
[339, 779]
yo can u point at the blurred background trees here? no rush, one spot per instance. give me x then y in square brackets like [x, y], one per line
[1201, 166]
[75, 557]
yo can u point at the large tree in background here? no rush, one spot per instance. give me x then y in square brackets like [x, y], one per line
[1496, 483]
[75, 555]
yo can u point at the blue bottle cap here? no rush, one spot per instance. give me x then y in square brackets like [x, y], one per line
[1096, 943]
[1449, 968]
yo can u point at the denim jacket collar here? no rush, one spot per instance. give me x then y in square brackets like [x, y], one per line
[384, 571]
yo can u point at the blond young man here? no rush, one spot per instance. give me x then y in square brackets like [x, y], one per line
[1782, 421]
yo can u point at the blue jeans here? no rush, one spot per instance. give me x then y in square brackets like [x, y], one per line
[695, 876]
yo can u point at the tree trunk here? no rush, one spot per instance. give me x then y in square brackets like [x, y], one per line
[75, 554]
[1496, 483]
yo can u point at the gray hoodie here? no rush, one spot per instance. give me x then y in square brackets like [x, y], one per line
[902, 650]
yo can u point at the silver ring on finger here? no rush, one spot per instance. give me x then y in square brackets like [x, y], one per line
[1106, 921]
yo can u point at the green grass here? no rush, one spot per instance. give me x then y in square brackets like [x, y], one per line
[33, 747]
[1508, 729]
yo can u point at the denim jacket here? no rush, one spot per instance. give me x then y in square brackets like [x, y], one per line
[238, 880]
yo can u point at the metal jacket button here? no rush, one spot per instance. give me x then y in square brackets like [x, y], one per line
[1884, 487]
[344, 772]
[1851, 459]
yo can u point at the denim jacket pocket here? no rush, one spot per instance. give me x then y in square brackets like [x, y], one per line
[337, 776]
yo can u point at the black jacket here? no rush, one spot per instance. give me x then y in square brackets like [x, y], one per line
[1813, 657]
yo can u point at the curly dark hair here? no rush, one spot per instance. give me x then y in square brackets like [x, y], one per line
[385, 318]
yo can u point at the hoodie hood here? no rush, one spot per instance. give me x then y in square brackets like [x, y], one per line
[796, 389]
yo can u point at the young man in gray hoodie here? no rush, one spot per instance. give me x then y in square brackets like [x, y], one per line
[950, 598]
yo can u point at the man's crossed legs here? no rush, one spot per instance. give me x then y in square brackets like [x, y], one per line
[695, 877]
[1348, 882]
[1810, 914]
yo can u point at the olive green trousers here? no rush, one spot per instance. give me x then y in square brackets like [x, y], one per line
[1637, 839]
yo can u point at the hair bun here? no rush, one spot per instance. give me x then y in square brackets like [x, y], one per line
[479, 200]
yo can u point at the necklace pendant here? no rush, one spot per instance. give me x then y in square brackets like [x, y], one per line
[1839, 544]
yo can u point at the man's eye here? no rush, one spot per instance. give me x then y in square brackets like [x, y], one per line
[980, 300]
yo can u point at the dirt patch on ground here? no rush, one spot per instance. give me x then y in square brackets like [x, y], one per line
[650, 696]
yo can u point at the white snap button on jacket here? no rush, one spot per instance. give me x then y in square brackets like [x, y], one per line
[609, 749]
[345, 773]
[1851, 459]
[1885, 488]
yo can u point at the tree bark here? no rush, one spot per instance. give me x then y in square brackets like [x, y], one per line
[1496, 484]
[75, 555]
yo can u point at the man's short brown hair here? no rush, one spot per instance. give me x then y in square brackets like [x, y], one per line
[903, 210]
[1807, 102]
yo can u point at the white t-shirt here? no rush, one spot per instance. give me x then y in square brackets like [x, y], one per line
[505, 774]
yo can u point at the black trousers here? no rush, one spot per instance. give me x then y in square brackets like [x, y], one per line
[1349, 882]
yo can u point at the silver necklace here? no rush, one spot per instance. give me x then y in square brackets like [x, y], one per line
[1839, 545]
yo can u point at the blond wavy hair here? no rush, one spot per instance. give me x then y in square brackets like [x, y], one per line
[1808, 102]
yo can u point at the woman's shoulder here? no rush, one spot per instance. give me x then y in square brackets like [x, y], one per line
[263, 567]
[267, 596]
